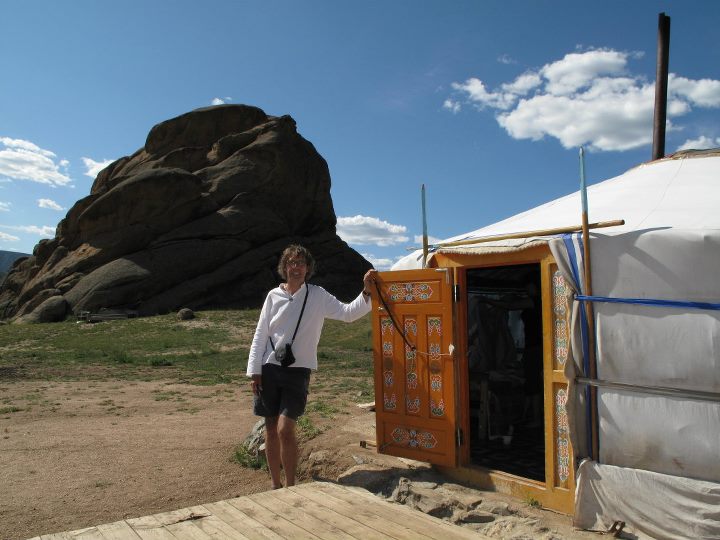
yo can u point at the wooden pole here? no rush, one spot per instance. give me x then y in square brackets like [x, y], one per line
[528, 234]
[592, 365]
[424, 227]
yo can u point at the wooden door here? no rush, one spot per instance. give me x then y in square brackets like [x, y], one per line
[415, 376]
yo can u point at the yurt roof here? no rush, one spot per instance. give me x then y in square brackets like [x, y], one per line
[681, 191]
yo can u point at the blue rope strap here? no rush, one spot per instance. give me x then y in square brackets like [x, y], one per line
[649, 302]
[584, 330]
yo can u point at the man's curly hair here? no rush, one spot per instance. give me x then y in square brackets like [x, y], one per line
[296, 251]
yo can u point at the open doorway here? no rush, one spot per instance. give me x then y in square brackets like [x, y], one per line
[505, 369]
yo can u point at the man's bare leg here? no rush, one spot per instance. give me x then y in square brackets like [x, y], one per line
[273, 450]
[288, 448]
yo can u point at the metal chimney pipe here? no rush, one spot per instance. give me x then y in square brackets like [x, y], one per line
[661, 86]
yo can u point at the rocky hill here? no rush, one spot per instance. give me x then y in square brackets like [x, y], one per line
[196, 218]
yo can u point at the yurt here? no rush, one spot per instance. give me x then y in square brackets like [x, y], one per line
[593, 389]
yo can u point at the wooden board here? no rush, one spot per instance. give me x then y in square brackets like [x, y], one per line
[318, 510]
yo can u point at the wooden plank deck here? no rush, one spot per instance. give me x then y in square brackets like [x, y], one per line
[318, 510]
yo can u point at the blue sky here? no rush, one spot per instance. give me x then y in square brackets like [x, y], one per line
[485, 102]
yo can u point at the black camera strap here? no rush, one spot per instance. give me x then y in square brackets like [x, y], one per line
[307, 293]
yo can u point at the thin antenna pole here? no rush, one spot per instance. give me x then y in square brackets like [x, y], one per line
[592, 366]
[583, 185]
[424, 228]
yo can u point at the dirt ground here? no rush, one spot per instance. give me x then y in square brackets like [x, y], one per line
[76, 454]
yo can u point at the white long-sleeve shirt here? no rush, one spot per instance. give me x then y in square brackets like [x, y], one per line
[280, 314]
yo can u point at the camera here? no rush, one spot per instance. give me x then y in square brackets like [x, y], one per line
[285, 356]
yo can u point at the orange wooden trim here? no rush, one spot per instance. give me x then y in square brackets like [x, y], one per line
[481, 260]
[562, 501]
[547, 324]
[462, 370]
[553, 378]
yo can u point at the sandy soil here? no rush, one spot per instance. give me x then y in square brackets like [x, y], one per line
[78, 454]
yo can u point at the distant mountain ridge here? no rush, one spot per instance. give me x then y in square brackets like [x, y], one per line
[7, 258]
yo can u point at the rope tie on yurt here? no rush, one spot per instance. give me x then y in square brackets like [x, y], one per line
[650, 302]
[663, 391]
[698, 395]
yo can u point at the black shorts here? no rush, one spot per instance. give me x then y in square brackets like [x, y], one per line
[284, 391]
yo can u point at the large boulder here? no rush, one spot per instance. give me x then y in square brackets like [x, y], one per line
[196, 218]
[51, 310]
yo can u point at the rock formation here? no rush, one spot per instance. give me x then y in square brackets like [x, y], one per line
[196, 218]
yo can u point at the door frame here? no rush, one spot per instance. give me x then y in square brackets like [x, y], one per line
[558, 490]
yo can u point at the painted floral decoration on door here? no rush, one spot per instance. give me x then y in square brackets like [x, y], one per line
[561, 316]
[563, 435]
[410, 292]
[413, 405]
[388, 331]
[434, 332]
[411, 375]
[412, 397]
[437, 409]
[414, 438]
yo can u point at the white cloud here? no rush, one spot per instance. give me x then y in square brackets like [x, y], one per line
[700, 143]
[93, 168]
[366, 230]
[452, 106]
[618, 120]
[27, 146]
[5, 206]
[379, 263]
[220, 101]
[4, 237]
[578, 70]
[479, 95]
[523, 84]
[49, 203]
[23, 160]
[45, 230]
[586, 98]
[703, 93]
[506, 59]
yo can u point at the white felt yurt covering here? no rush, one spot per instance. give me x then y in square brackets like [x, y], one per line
[658, 366]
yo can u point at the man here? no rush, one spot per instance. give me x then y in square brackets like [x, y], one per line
[293, 313]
